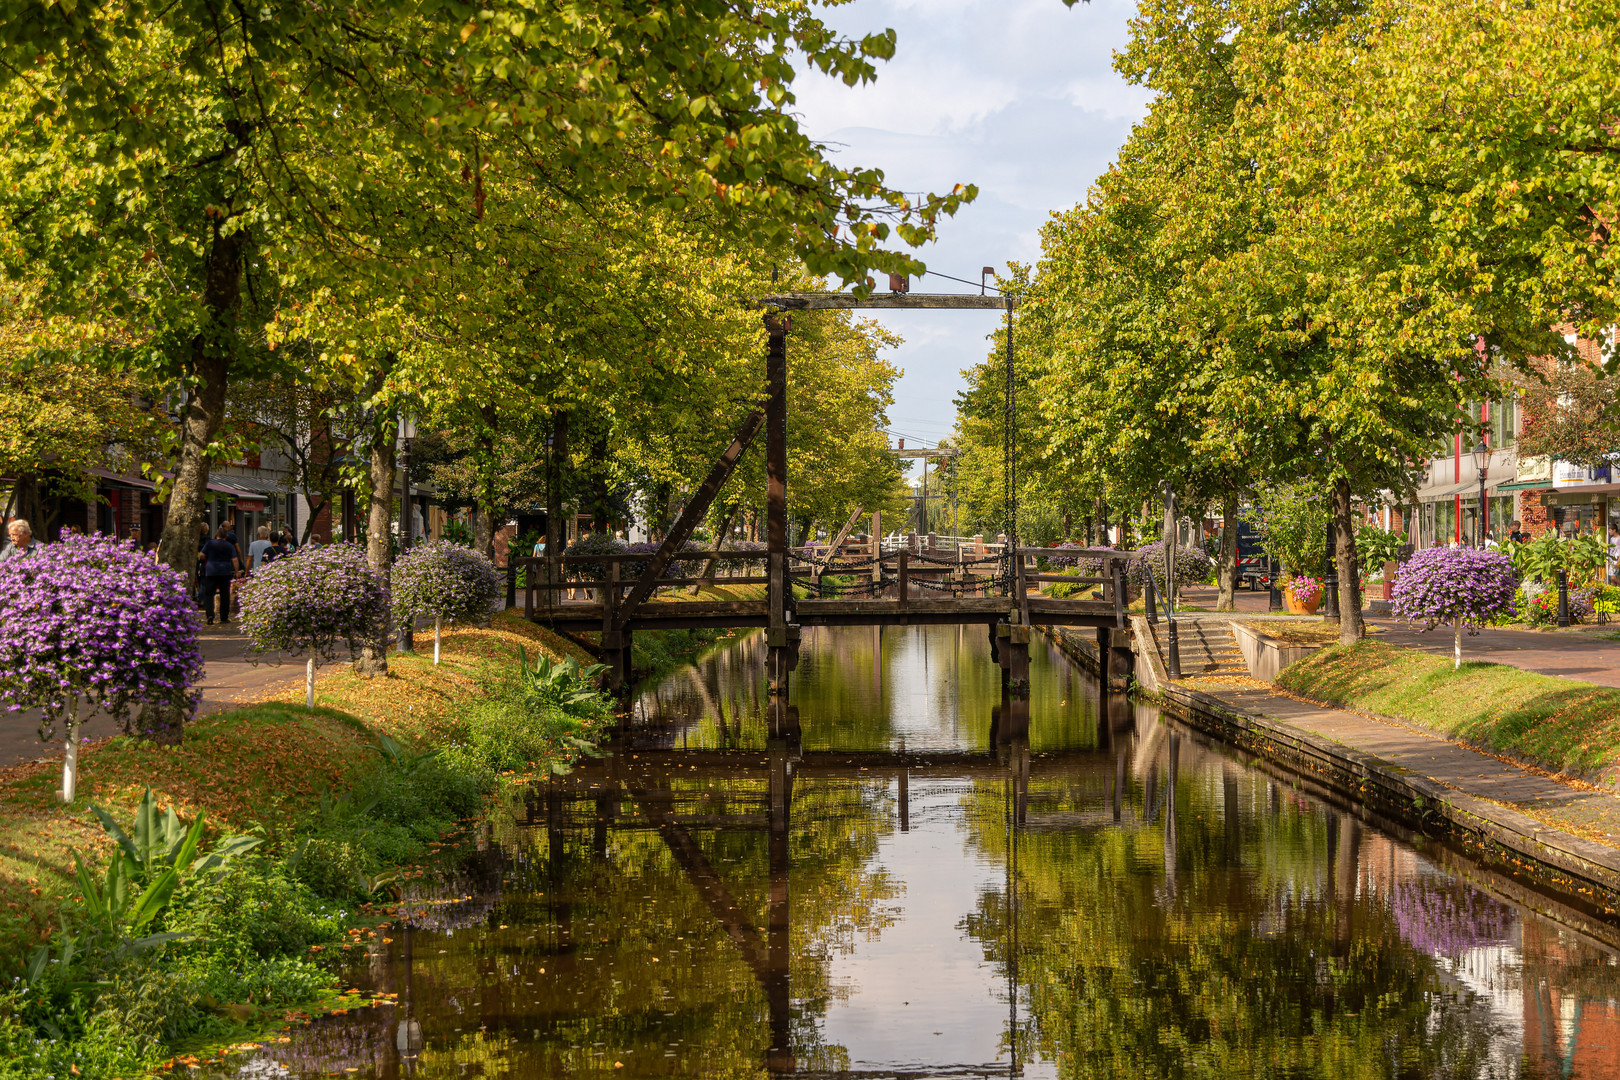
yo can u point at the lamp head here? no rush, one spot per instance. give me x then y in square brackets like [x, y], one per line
[1482, 456]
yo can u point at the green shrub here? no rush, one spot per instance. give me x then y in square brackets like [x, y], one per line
[258, 910]
[147, 1005]
[549, 714]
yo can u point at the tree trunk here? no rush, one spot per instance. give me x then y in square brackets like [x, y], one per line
[1226, 574]
[438, 633]
[601, 514]
[380, 533]
[556, 528]
[1352, 627]
[209, 369]
[486, 464]
[1456, 643]
[309, 683]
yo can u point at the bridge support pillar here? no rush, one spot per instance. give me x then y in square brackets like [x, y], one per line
[1001, 650]
[616, 655]
[781, 656]
[1017, 650]
[1115, 659]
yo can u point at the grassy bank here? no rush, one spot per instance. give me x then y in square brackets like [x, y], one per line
[1563, 726]
[347, 801]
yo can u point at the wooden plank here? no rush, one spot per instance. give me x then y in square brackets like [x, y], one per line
[824, 301]
[696, 507]
[838, 543]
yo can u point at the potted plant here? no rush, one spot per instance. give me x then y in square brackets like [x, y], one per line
[1302, 594]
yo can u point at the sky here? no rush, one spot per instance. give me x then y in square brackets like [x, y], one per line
[1016, 96]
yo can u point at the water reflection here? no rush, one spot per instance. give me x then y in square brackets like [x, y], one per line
[906, 873]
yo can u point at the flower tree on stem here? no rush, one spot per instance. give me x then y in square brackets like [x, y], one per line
[1463, 587]
[313, 602]
[91, 624]
[443, 581]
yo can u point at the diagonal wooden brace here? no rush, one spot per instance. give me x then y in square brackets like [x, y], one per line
[696, 507]
[838, 543]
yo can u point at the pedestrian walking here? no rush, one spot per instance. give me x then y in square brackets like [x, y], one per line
[21, 544]
[278, 547]
[220, 563]
[257, 549]
[1516, 532]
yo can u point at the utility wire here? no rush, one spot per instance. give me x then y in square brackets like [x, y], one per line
[964, 281]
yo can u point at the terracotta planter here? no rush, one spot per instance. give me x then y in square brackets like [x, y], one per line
[1297, 608]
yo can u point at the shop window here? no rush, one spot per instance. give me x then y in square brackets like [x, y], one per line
[1503, 419]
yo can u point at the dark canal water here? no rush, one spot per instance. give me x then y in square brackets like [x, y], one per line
[916, 887]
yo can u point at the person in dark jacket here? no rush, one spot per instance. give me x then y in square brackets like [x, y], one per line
[220, 563]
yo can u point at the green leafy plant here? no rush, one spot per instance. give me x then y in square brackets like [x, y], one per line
[1581, 557]
[1292, 521]
[150, 861]
[1375, 547]
[458, 532]
[562, 683]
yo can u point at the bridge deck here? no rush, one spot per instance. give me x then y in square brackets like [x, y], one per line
[579, 616]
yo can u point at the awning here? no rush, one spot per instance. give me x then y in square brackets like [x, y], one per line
[1578, 494]
[1450, 491]
[146, 485]
[123, 481]
[1525, 485]
[256, 484]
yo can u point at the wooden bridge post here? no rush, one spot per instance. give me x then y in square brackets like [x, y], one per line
[1115, 660]
[779, 655]
[1017, 670]
[1003, 652]
[615, 641]
[905, 578]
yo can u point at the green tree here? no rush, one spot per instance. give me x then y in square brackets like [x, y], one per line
[199, 169]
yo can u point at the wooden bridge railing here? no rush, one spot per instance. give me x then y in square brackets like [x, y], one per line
[901, 568]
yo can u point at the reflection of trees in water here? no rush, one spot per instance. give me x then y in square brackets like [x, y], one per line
[1216, 931]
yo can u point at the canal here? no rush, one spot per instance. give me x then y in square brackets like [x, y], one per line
[907, 876]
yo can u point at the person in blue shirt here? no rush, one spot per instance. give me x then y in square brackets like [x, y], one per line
[220, 563]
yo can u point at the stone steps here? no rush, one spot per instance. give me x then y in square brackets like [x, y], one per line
[1204, 648]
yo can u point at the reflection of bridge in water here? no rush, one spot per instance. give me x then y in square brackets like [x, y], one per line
[592, 799]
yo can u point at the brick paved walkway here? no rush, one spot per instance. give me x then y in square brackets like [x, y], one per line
[229, 678]
[1584, 655]
[1590, 815]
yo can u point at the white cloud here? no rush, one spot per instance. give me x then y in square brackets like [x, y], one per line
[1016, 96]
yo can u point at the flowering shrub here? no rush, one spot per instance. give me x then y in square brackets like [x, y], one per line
[1193, 567]
[92, 623]
[1306, 589]
[1541, 605]
[634, 568]
[438, 579]
[442, 581]
[316, 600]
[1442, 585]
[1467, 587]
[595, 544]
[1062, 557]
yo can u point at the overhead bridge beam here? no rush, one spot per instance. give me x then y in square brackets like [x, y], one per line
[824, 301]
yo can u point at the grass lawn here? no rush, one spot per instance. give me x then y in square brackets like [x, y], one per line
[259, 768]
[1564, 726]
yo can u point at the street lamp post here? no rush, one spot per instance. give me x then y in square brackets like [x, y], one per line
[1482, 462]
